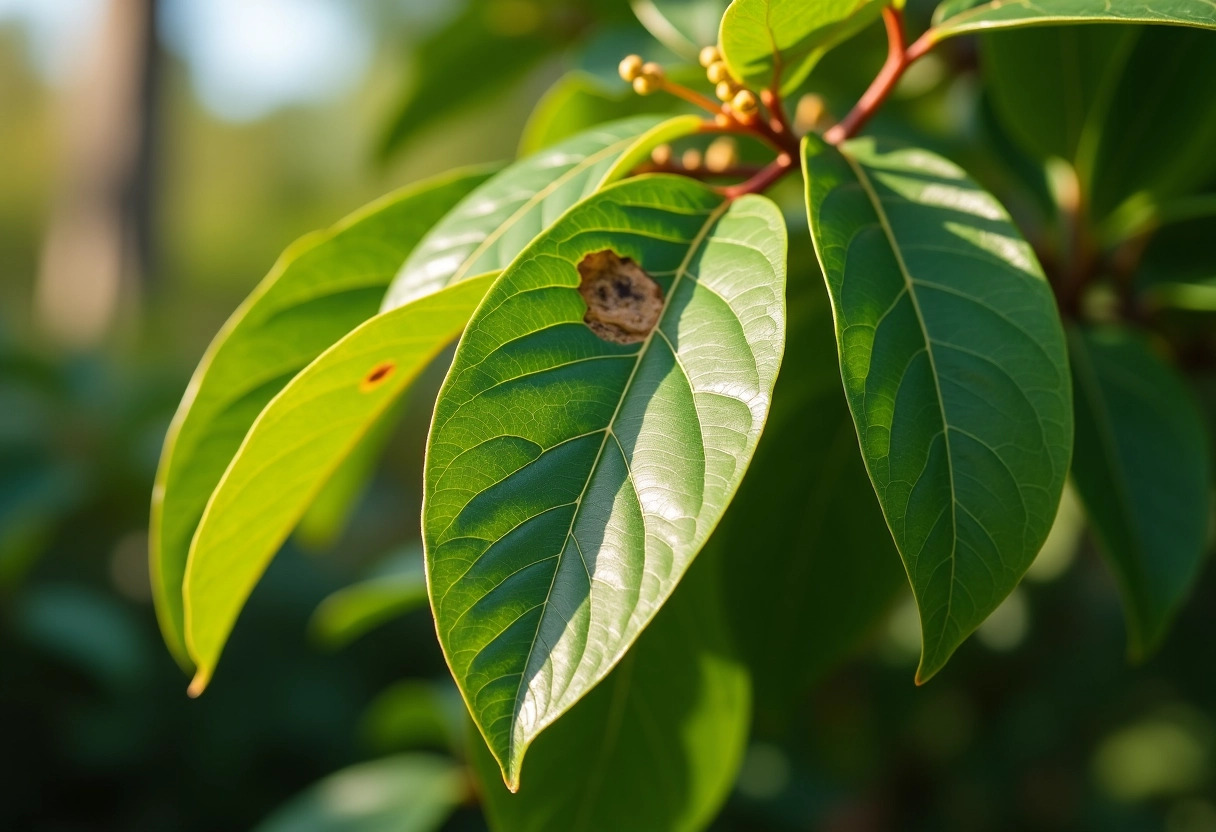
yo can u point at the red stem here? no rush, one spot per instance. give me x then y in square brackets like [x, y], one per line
[769, 174]
[691, 96]
[897, 61]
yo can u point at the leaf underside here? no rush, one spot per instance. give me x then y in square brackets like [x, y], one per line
[956, 17]
[322, 287]
[571, 480]
[955, 368]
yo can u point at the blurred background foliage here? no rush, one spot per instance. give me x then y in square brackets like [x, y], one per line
[157, 155]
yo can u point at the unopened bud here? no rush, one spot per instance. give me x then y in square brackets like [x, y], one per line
[652, 70]
[744, 102]
[709, 55]
[722, 153]
[631, 67]
[661, 155]
[809, 113]
[726, 90]
[645, 85]
[691, 160]
[718, 72]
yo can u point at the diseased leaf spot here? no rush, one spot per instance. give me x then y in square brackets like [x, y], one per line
[377, 376]
[623, 302]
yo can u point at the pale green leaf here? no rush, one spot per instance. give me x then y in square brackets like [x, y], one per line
[776, 43]
[811, 568]
[683, 26]
[1142, 469]
[292, 448]
[493, 224]
[955, 368]
[397, 588]
[322, 287]
[656, 745]
[956, 17]
[570, 481]
[406, 793]
[576, 103]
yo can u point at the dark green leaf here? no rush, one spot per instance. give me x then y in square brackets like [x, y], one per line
[322, 287]
[776, 43]
[811, 568]
[956, 17]
[656, 745]
[295, 444]
[493, 224]
[1142, 469]
[406, 793]
[571, 480]
[956, 372]
[397, 588]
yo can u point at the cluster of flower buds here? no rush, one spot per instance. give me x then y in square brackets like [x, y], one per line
[721, 155]
[646, 76]
[743, 101]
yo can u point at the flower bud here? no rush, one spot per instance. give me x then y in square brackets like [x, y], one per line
[709, 55]
[745, 102]
[691, 160]
[809, 113]
[631, 67]
[645, 85]
[652, 71]
[718, 72]
[725, 90]
[661, 155]
[722, 153]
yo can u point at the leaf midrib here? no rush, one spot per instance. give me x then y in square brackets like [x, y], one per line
[910, 287]
[693, 247]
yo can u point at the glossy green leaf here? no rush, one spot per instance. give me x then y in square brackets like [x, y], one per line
[297, 441]
[406, 793]
[322, 287]
[570, 480]
[811, 567]
[956, 17]
[656, 745]
[350, 612]
[1142, 469]
[683, 26]
[955, 368]
[776, 43]
[493, 224]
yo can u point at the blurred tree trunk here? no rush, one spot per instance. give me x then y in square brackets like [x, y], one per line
[98, 246]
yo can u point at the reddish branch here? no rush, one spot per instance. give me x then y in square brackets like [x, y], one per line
[898, 59]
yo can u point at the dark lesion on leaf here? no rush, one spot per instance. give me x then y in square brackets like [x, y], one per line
[377, 376]
[623, 302]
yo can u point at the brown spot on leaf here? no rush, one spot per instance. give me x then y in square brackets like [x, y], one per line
[377, 376]
[623, 302]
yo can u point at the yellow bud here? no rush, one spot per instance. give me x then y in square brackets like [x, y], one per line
[645, 85]
[809, 113]
[722, 153]
[652, 71]
[709, 55]
[691, 160]
[718, 72]
[661, 155]
[745, 102]
[631, 67]
[725, 90]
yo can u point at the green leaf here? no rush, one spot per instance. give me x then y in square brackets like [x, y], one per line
[405, 793]
[811, 568]
[295, 444]
[571, 480]
[1142, 469]
[323, 286]
[956, 17]
[660, 739]
[415, 714]
[776, 43]
[955, 368]
[683, 26]
[493, 224]
[350, 612]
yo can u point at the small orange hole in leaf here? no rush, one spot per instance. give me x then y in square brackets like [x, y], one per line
[378, 375]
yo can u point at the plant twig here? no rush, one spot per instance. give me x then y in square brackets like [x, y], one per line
[769, 174]
[691, 96]
[897, 61]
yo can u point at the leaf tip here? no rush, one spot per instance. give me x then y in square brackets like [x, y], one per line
[198, 684]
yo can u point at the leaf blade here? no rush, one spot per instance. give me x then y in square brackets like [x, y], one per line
[297, 441]
[270, 337]
[492, 224]
[956, 17]
[502, 485]
[1141, 469]
[999, 390]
